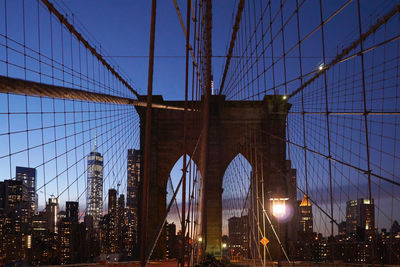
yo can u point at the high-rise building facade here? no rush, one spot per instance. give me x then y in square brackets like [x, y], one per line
[72, 210]
[172, 244]
[69, 234]
[360, 217]
[94, 200]
[305, 216]
[112, 201]
[39, 241]
[113, 221]
[14, 214]
[305, 248]
[292, 226]
[121, 226]
[238, 228]
[65, 241]
[28, 178]
[52, 212]
[132, 199]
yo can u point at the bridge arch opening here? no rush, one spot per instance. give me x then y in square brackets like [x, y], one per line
[236, 201]
[174, 218]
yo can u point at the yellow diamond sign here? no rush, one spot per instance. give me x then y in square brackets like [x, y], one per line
[264, 241]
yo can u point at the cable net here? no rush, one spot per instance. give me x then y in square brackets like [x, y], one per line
[337, 64]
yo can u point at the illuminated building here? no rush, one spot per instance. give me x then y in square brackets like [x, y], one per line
[112, 201]
[38, 242]
[112, 227]
[91, 238]
[52, 211]
[65, 239]
[94, 200]
[320, 249]
[172, 244]
[28, 178]
[2, 237]
[61, 215]
[69, 236]
[121, 226]
[360, 217]
[132, 200]
[104, 236]
[238, 235]
[305, 216]
[291, 181]
[72, 210]
[14, 210]
[306, 247]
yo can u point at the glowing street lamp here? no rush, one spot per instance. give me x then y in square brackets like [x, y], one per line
[224, 245]
[200, 239]
[279, 208]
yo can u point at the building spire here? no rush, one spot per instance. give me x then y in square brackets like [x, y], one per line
[305, 202]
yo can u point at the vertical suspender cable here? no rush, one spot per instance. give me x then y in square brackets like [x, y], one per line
[366, 124]
[184, 169]
[146, 177]
[327, 123]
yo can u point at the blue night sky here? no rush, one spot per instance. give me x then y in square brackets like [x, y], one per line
[122, 27]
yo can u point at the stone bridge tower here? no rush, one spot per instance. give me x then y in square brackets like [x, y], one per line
[232, 126]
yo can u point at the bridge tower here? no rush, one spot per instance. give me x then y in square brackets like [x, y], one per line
[231, 125]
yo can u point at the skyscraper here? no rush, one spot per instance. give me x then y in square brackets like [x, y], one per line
[28, 178]
[291, 181]
[132, 198]
[134, 177]
[305, 216]
[66, 249]
[14, 199]
[52, 212]
[13, 218]
[69, 238]
[304, 248]
[113, 221]
[112, 201]
[94, 200]
[72, 209]
[238, 228]
[360, 217]
[121, 226]
[172, 244]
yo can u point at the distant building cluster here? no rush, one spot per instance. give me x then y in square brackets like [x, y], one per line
[54, 236]
[174, 241]
[354, 243]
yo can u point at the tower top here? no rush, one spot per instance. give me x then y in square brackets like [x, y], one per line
[305, 202]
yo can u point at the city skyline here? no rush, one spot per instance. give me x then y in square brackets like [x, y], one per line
[83, 206]
[70, 166]
[275, 116]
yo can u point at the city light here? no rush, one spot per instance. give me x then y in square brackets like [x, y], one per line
[224, 245]
[284, 97]
[321, 67]
[200, 239]
[279, 210]
[279, 207]
[29, 241]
